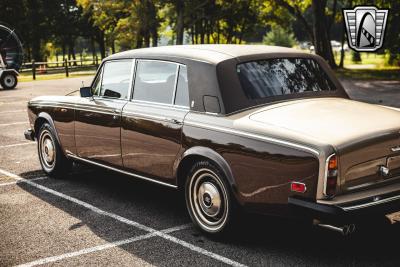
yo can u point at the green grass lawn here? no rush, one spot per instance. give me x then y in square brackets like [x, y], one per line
[372, 67]
[27, 77]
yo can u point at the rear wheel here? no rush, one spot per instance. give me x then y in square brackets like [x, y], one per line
[208, 198]
[51, 157]
[8, 80]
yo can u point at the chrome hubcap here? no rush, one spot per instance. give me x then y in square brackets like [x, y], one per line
[47, 150]
[209, 199]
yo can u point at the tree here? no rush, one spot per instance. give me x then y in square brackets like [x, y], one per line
[278, 36]
[319, 29]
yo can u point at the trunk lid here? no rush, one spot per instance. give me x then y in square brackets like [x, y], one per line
[365, 136]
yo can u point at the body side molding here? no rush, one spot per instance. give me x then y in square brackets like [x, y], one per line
[121, 171]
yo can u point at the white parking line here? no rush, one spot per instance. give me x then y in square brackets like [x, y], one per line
[20, 144]
[101, 247]
[13, 111]
[126, 221]
[14, 123]
[19, 182]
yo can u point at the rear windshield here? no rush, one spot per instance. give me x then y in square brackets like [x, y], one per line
[282, 76]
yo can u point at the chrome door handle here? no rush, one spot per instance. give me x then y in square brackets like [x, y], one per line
[175, 121]
[63, 110]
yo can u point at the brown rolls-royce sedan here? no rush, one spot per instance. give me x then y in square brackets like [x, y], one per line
[255, 128]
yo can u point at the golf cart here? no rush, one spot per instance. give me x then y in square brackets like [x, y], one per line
[11, 57]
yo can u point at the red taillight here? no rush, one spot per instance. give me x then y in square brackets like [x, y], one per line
[331, 176]
[298, 187]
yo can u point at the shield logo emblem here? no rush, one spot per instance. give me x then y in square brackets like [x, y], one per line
[365, 27]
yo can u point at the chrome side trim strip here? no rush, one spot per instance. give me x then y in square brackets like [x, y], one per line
[370, 204]
[133, 115]
[109, 111]
[122, 171]
[253, 136]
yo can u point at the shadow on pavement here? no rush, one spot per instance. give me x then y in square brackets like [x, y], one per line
[160, 208]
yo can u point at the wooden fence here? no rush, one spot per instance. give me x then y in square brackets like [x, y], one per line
[66, 66]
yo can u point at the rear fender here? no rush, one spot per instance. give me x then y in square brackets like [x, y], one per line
[214, 157]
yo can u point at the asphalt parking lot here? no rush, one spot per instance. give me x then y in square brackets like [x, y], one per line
[96, 217]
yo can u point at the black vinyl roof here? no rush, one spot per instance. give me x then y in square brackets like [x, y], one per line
[212, 71]
[210, 53]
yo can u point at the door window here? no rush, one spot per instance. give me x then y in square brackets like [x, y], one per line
[182, 90]
[97, 83]
[155, 81]
[116, 79]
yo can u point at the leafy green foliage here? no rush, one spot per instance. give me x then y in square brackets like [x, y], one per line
[280, 37]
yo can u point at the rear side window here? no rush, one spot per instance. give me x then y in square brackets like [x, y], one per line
[282, 76]
[182, 89]
[155, 81]
[116, 79]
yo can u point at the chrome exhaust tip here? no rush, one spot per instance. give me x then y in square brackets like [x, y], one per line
[345, 230]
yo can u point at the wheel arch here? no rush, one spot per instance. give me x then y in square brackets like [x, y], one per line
[9, 71]
[42, 118]
[198, 153]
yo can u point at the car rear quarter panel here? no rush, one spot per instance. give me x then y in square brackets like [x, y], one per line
[262, 171]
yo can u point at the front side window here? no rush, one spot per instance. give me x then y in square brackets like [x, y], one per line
[97, 83]
[282, 76]
[155, 81]
[182, 89]
[116, 79]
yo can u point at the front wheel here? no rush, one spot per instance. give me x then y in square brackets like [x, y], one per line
[208, 198]
[52, 159]
[8, 80]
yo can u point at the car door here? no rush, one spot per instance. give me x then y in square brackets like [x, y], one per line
[152, 121]
[98, 119]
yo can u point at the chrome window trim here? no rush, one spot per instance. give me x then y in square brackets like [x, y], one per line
[99, 73]
[176, 87]
[156, 104]
[175, 84]
[254, 136]
[122, 171]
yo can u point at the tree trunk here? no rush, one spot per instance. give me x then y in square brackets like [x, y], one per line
[93, 48]
[113, 46]
[322, 42]
[102, 46]
[71, 47]
[64, 49]
[341, 63]
[180, 27]
[154, 37]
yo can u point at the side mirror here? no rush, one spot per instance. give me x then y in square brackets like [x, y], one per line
[86, 91]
